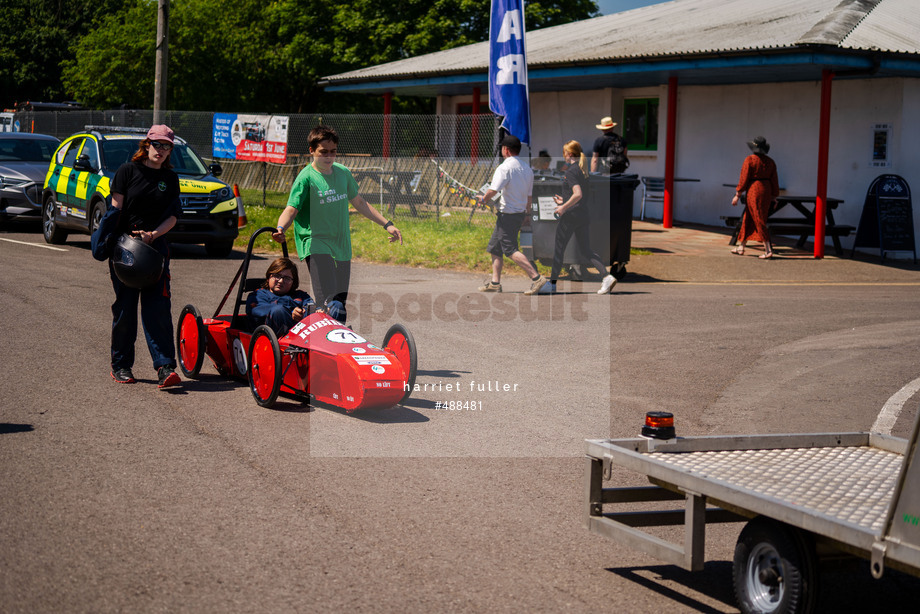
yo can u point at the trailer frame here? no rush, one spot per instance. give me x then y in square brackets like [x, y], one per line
[856, 493]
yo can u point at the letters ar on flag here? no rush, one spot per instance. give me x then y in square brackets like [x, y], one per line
[508, 89]
[511, 70]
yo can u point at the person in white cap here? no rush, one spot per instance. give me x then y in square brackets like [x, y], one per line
[610, 149]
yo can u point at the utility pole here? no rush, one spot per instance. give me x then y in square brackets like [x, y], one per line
[162, 45]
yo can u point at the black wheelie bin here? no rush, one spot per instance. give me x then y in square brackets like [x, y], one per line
[609, 200]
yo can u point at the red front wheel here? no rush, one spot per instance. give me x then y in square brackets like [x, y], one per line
[399, 341]
[264, 366]
[191, 340]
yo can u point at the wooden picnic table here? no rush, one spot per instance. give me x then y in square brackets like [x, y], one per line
[398, 186]
[802, 224]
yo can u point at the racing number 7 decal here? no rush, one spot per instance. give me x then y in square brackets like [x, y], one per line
[343, 335]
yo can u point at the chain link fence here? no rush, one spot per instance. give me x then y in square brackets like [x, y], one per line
[418, 166]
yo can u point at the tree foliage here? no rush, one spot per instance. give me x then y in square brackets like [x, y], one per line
[35, 38]
[112, 65]
[372, 32]
[249, 55]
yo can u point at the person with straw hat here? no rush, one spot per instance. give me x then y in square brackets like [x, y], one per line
[609, 152]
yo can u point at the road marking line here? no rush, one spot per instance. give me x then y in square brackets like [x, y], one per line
[57, 249]
[892, 409]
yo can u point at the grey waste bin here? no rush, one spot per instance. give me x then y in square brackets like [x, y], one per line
[610, 203]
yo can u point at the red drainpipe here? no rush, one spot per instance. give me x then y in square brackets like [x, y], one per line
[474, 136]
[824, 136]
[387, 110]
[667, 215]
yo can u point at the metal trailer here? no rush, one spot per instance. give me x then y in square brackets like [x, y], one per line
[805, 497]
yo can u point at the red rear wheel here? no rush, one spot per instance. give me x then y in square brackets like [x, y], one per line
[191, 339]
[264, 366]
[399, 341]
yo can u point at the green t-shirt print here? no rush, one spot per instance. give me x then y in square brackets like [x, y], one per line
[321, 225]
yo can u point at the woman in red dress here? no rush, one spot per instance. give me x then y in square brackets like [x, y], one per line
[759, 180]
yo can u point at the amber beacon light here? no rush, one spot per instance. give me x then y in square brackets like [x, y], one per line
[659, 425]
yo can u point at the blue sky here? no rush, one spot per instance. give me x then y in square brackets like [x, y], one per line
[615, 6]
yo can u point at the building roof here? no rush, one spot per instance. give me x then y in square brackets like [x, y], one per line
[704, 41]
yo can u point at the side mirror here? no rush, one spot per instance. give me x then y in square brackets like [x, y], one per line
[216, 169]
[82, 164]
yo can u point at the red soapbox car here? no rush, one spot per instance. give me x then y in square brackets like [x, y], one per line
[319, 358]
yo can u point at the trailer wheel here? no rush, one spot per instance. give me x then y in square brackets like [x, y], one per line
[399, 341]
[264, 366]
[774, 569]
[191, 339]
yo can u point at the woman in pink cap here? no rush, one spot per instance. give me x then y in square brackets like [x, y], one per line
[146, 192]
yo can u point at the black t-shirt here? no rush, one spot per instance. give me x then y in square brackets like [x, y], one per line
[602, 143]
[573, 176]
[151, 195]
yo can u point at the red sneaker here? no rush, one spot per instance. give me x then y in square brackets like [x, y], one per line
[123, 376]
[167, 377]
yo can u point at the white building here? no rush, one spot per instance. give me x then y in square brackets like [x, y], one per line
[732, 69]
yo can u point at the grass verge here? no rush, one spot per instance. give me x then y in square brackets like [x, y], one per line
[427, 243]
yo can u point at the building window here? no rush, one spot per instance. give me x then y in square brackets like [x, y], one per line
[640, 123]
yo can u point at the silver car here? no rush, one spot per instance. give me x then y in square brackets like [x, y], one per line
[24, 160]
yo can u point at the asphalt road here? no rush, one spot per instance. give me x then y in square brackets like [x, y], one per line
[128, 498]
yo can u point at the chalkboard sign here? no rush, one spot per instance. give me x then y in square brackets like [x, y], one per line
[887, 220]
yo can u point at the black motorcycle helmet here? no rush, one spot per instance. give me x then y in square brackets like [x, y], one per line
[136, 264]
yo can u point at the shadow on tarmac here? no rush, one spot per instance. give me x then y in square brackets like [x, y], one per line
[844, 585]
[713, 583]
[641, 278]
[441, 373]
[8, 427]
[400, 414]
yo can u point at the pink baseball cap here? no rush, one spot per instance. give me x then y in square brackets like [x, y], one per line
[160, 132]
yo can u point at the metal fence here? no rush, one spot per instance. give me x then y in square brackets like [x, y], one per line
[410, 165]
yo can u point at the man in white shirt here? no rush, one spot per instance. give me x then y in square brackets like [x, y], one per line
[515, 181]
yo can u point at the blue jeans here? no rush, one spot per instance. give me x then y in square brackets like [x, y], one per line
[279, 319]
[156, 317]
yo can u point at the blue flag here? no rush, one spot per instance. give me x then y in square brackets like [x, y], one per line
[508, 92]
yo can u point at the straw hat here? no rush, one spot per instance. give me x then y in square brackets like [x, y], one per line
[606, 124]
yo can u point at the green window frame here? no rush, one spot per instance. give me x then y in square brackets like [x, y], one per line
[640, 123]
